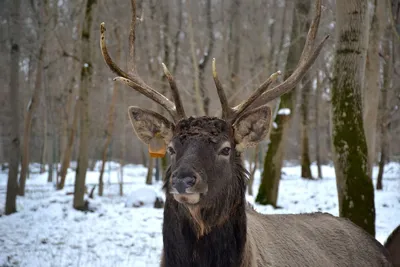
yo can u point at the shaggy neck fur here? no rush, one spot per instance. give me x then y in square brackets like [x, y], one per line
[207, 234]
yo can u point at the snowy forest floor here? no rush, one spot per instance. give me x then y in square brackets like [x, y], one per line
[47, 231]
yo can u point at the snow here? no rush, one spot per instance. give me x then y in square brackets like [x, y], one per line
[144, 196]
[47, 231]
[284, 111]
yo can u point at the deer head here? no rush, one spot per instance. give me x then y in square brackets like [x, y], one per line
[205, 151]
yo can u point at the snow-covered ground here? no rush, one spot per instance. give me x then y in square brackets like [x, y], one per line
[48, 232]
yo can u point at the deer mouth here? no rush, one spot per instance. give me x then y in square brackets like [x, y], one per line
[187, 198]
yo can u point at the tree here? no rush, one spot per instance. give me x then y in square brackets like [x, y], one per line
[268, 191]
[384, 111]
[85, 86]
[317, 125]
[201, 99]
[354, 185]
[111, 118]
[34, 100]
[14, 157]
[304, 107]
[372, 80]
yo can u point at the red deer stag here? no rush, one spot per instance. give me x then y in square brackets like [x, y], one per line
[207, 221]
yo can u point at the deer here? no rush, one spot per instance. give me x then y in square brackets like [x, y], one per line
[207, 220]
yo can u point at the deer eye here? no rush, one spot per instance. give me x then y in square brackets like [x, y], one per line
[225, 151]
[171, 151]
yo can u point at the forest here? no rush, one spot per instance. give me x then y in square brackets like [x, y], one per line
[79, 188]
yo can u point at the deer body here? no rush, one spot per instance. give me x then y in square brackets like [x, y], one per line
[229, 232]
[207, 221]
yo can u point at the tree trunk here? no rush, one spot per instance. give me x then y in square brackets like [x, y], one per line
[372, 80]
[198, 104]
[304, 107]
[45, 140]
[14, 152]
[33, 103]
[66, 158]
[253, 168]
[206, 57]
[268, 191]
[86, 83]
[50, 158]
[234, 46]
[149, 176]
[384, 112]
[355, 189]
[111, 118]
[317, 125]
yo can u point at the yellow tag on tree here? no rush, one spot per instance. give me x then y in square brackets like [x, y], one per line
[157, 147]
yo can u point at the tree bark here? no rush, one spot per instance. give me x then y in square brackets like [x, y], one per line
[354, 185]
[304, 107]
[268, 191]
[372, 80]
[86, 83]
[14, 154]
[111, 118]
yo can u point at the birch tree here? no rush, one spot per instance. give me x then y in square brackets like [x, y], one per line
[354, 185]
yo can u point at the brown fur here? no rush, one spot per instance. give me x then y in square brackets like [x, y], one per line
[392, 244]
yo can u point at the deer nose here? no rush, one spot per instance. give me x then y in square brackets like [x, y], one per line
[181, 184]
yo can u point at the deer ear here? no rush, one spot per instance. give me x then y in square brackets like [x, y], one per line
[149, 125]
[252, 127]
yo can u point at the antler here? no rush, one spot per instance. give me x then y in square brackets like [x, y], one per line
[176, 110]
[262, 93]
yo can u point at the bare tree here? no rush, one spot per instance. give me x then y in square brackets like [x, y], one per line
[235, 27]
[388, 52]
[34, 100]
[304, 127]
[111, 118]
[201, 99]
[318, 91]
[268, 191]
[14, 154]
[85, 86]
[372, 80]
[354, 185]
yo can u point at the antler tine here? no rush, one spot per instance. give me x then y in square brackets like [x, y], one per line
[308, 56]
[110, 63]
[293, 79]
[239, 109]
[175, 93]
[135, 82]
[226, 110]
